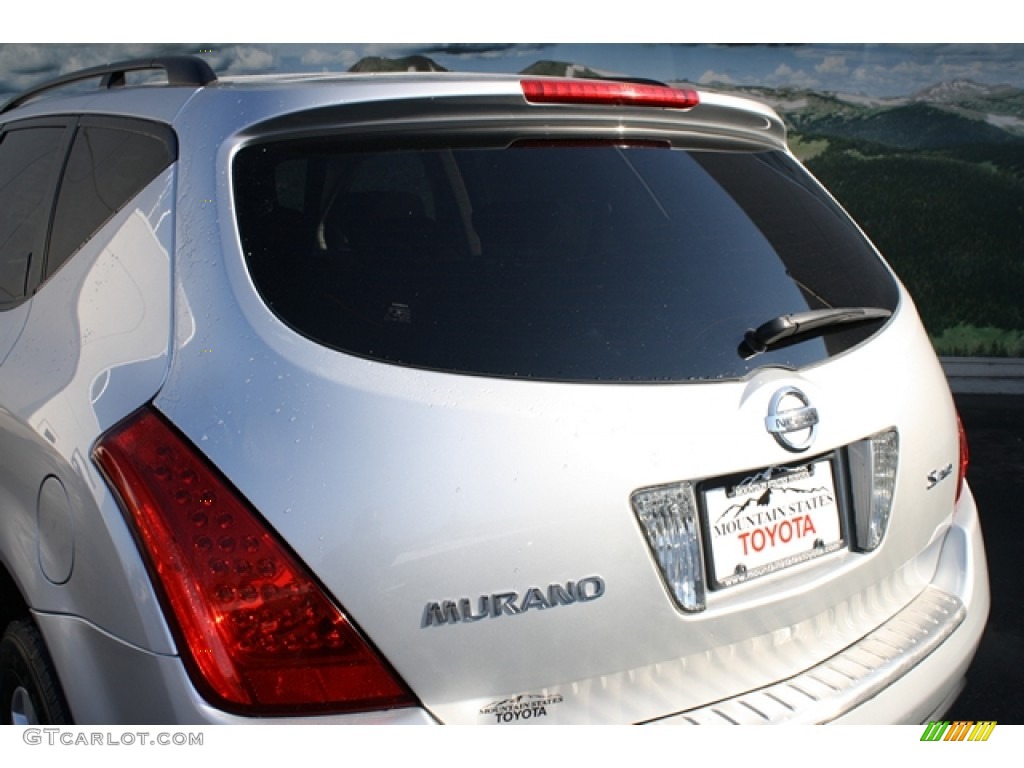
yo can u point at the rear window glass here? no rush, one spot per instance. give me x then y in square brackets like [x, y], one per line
[560, 262]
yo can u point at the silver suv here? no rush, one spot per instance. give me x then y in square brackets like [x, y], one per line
[459, 399]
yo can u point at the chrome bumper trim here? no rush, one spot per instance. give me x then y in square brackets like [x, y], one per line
[848, 679]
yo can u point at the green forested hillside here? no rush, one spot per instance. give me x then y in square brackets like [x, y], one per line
[950, 222]
[910, 126]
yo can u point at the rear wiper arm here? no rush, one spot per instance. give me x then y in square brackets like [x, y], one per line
[785, 327]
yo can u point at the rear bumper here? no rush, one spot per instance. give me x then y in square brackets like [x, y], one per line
[908, 670]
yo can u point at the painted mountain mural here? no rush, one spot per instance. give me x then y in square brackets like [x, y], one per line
[937, 182]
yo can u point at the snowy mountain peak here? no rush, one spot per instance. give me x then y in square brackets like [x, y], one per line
[955, 90]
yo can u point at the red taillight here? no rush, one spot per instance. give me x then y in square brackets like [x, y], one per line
[257, 633]
[608, 92]
[964, 458]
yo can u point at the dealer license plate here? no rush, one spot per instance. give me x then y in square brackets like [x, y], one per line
[771, 520]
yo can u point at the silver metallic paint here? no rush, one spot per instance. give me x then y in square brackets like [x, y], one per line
[104, 318]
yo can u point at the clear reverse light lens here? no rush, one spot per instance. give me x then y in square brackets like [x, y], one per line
[668, 516]
[873, 466]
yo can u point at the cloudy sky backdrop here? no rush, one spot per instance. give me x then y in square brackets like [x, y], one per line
[881, 70]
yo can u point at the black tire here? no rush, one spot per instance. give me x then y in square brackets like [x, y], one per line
[30, 692]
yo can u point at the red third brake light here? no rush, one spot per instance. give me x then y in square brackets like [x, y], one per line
[612, 92]
[257, 633]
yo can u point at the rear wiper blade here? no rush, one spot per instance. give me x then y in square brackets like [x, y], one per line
[785, 327]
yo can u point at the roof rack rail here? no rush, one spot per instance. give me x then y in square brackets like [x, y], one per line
[181, 70]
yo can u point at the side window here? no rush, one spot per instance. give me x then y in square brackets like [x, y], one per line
[107, 167]
[29, 160]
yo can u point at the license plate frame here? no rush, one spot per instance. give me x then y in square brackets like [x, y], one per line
[772, 519]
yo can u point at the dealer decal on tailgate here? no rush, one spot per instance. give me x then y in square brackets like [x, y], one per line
[772, 520]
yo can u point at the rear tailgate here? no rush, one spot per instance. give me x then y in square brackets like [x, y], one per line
[481, 532]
